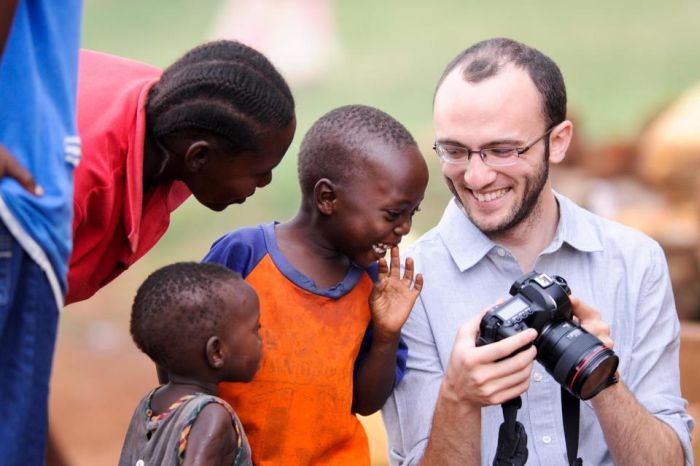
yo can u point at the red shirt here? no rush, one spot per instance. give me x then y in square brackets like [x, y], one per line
[115, 223]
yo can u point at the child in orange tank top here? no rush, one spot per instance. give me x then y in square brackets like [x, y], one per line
[331, 306]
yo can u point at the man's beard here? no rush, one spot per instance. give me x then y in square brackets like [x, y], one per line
[520, 212]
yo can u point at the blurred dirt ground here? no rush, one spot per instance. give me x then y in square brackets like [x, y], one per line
[99, 376]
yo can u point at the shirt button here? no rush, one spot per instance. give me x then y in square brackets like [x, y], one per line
[537, 377]
[547, 439]
[501, 252]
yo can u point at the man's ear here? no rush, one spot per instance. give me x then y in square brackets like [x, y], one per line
[559, 141]
[325, 196]
[215, 354]
[197, 155]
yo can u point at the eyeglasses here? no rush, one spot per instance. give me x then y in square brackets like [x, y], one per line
[501, 156]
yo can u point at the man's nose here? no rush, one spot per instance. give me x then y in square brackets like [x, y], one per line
[477, 174]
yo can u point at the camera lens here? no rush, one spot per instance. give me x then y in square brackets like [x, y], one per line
[597, 373]
[576, 359]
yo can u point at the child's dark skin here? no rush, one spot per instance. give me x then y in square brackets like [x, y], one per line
[356, 220]
[216, 177]
[232, 355]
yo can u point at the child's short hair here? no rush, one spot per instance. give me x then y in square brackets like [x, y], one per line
[339, 142]
[179, 307]
[223, 88]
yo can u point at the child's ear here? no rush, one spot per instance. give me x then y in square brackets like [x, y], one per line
[215, 354]
[325, 196]
[197, 155]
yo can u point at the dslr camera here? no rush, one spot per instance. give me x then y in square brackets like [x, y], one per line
[576, 359]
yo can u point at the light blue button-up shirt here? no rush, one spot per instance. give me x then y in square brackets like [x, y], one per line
[617, 270]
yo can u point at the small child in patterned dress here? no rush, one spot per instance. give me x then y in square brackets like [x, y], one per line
[199, 323]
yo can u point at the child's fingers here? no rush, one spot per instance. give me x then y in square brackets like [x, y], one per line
[418, 284]
[395, 263]
[408, 270]
[383, 268]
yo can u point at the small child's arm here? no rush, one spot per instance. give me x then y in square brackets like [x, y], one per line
[212, 440]
[391, 302]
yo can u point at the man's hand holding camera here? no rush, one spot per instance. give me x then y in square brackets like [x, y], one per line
[488, 375]
[590, 319]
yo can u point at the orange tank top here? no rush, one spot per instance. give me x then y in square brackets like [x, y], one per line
[297, 410]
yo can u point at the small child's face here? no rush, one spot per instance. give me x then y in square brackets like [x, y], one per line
[226, 179]
[376, 210]
[241, 338]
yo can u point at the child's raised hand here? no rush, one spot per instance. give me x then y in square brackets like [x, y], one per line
[393, 297]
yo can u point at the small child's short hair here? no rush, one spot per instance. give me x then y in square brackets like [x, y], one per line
[179, 307]
[339, 142]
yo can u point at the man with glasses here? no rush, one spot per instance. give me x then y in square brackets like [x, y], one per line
[500, 121]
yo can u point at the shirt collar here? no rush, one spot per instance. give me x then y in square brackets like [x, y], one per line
[576, 228]
[468, 245]
[465, 242]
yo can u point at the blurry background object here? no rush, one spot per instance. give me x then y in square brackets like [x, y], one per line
[298, 36]
[669, 150]
[618, 75]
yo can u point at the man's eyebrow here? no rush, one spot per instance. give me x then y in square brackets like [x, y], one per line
[498, 142]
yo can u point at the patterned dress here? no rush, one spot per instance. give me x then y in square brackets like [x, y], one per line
[161, 440]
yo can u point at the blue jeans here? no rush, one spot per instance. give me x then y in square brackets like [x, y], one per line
[28, 325]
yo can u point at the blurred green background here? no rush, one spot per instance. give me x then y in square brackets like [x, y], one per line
[622, 62]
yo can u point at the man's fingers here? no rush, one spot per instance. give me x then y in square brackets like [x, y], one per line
[501, 388]
[10, 167]
[581, 310]
[515, 363]
[590, 319]
[504, 348]
[510, 393]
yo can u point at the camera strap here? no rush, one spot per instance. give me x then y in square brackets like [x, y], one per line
[512, 439]
[570, 411]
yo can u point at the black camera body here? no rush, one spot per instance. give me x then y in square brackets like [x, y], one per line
[537, 301]
[576, 359]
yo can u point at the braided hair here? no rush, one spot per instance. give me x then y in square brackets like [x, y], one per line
[221, 88]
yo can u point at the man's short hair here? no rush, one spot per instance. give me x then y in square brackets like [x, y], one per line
[178, 308]
[338, 144]
[487, 58]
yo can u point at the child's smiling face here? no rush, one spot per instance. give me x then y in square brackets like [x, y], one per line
[374, 208]
[226, 179]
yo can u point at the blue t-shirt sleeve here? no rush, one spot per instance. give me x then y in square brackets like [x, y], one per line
[240, 250]
[401, 355]
[402, 351]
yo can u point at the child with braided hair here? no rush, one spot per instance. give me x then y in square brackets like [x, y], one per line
[214, 124]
